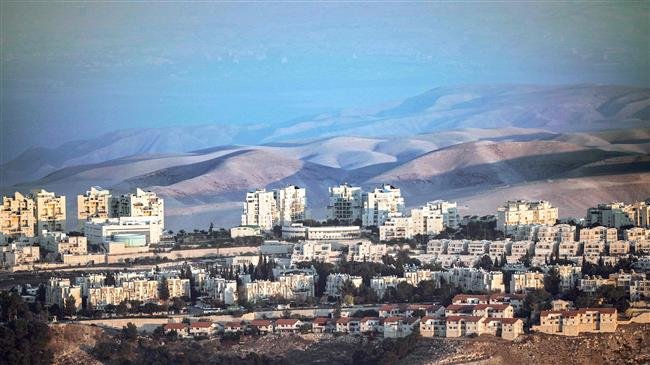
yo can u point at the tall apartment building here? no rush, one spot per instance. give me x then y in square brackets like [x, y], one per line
[260, 209]
[522, 212]
[345, 203]
[17, 216]
[396, 228]
[139, 204]
[641, 216]
[381, 204]
[615, 215]
[291, 203]
[50, 211]
[95, 203]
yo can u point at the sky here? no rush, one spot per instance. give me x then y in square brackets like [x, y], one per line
[73, 70]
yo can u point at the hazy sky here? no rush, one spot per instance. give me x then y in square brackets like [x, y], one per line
[74, 70]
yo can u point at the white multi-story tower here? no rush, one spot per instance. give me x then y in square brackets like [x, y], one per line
[290, 202]
[141, 204]
[259, 209]
[381, 204]
[345, 203]
[50, 211]
[94, 204]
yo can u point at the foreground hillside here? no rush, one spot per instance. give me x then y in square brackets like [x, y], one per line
[628, 345]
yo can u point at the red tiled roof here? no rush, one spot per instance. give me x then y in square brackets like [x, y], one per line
[388, 307]
[366, 319]
[286, 322]
[343, 320]
[460, 307]
[505, 320]
[495, 306]
[392, 319]
[464, 297]
[321, 320]
[260, 322]
[175, 326]
[201, 324]
[232, 324]
[464, 318]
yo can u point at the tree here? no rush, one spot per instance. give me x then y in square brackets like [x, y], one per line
[110, 279]
[70, 306]
[130, 332]
[552, 281]
[40, 293]
[163, 289]
[484, 263]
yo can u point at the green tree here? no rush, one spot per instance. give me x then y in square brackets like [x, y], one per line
[163, 289]
[110, 279]
[130, 332]
[552, 281]
[70, 306]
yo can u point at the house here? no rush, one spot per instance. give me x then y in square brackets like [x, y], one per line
[371, 325]
[261, 326]
[287, 325]
[322, 325]
[515, 300]
[506, 328]
[201, 329]
[180, 328]
[493, 310]
[470, 299]
[348, 325]
[459, 309]
[433, 326]
[396, 327]
[461, 326]
[233, 327]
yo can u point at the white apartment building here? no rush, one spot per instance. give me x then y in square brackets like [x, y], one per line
[478, 280]
[597, 234]
[522, 282]
[569, 276]
[437, 247]
[335, 282]
[302, 284]
[50, 211]
[245, 231]
[18, 253]
[478, 248]
[140, 204]
[95, 203]
[260, 210]
[521, 249]
[522, 212]
[291, 203]
[366, 251]
[314, 250]
[100, 231]
[396, 228]
[499, 249]
[380, 204]
[619, 248]
[557, 233]
[222, 290]
[568, 249]
[58, 290]
[17, 216]
[381, 283]
[345, 203]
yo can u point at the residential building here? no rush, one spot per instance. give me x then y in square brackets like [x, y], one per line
[569, 276]
[314, 251]
[381, 283]
[287, 325]
[636, 234]
[575, 322]
[396, 228]
[598, 234]
[397, 327]
[568, 249]
[201, 329]
[17, 253]
[58, 290]
[260, 210]
[50, 211]
[95, 203]
[335, 282]
[291, 203]
[17, 216]
[521, 212]
[522, 282]
[619, 248]
[366, 251]
[380, 204]
[345, 204]
[615, 215]
[139, 204]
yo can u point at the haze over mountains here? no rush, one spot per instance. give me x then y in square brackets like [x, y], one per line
[574, 145]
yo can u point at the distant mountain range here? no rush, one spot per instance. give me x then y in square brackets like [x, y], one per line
[480, 145]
